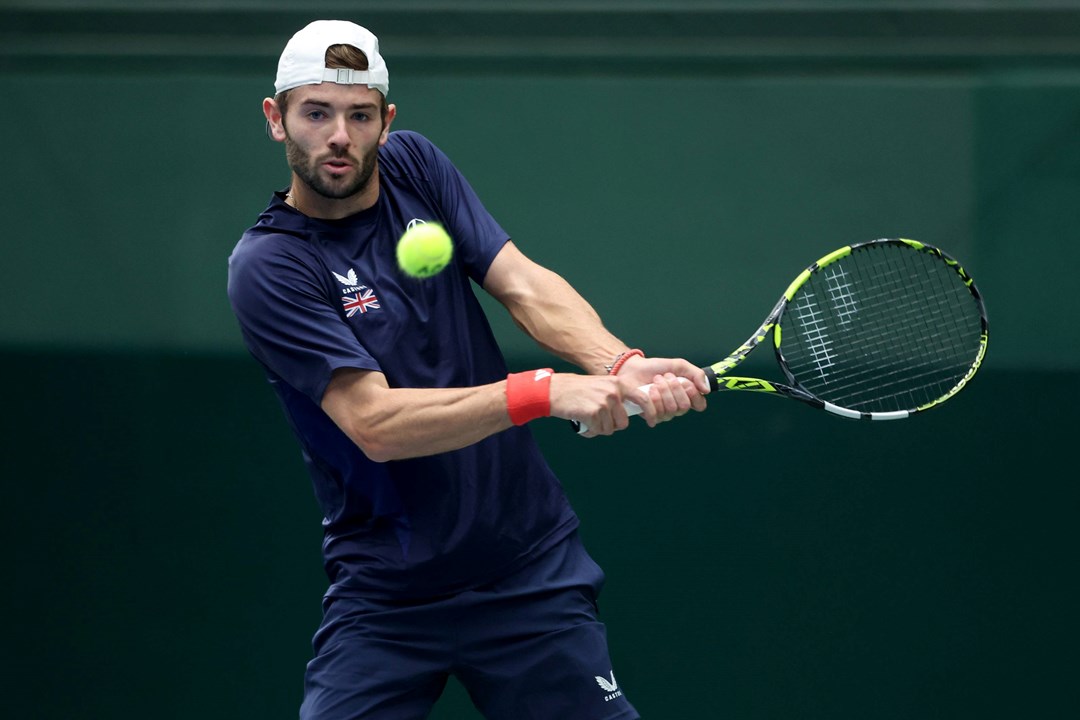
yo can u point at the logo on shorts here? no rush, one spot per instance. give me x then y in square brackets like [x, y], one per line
[610, 687]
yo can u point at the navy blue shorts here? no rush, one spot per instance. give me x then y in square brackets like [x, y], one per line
[529, 647]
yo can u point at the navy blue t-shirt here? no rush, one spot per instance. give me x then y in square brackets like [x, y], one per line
[314, 295]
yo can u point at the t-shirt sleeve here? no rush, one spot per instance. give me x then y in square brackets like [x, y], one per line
[287, 320]
[477, 235]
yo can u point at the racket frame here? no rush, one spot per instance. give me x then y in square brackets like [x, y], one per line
[720, 380]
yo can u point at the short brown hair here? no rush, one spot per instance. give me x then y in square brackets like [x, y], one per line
[337, 56]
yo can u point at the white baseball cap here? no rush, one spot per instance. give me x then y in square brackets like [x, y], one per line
[303, 61]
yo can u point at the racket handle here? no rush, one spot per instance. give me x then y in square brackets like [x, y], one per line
[632, 408]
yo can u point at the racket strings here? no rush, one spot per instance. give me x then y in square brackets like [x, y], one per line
[888, 379]
[912, 366]
[887, 328]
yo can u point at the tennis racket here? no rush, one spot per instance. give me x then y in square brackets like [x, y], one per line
[879, 330]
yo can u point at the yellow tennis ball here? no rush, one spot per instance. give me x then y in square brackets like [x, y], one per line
[424, 250]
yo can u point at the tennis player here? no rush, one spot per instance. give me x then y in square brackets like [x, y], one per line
[449, 544]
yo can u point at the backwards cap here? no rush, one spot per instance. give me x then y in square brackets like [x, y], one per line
[303, 62]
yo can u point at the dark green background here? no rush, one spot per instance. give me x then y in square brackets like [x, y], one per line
[678, 163]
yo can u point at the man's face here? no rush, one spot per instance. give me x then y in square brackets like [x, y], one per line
[333, 133]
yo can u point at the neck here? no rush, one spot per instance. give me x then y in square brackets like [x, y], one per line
[320, 207]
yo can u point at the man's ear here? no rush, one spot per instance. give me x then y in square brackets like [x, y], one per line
[275, 123]
[391, 113]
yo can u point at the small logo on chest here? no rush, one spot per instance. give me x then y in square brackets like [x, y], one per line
[348, 280]
[357, 298]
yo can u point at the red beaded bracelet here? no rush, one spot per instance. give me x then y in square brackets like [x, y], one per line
[621, 359]
[528, 395]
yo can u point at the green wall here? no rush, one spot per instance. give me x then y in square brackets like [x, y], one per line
[622, 144]
[763, 561]
[678, 163]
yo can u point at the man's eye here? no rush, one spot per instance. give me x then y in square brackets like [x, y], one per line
[316, 115]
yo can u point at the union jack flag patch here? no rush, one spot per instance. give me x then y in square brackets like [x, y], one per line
[360, 302]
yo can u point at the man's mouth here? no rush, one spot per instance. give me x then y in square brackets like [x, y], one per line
[337, 165]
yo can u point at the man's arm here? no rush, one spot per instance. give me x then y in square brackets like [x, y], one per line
[561, 321]
[396, 423]
[551, 312]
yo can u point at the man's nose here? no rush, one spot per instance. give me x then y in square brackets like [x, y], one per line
[339, 138]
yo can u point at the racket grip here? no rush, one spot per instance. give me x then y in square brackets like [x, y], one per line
[632, 408]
